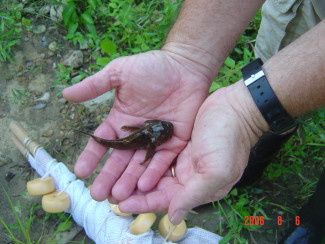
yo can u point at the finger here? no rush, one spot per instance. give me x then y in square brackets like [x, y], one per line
[89, 158]
[193, 194]
[112, 200]
[129, 179]
[155, 201]
[95, 85]
[110, 173]
[93, 151]
[156, 169]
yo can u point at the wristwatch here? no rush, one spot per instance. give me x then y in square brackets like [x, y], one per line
[267, 102]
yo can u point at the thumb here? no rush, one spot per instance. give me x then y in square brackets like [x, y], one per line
[95, 85]
[195, 192]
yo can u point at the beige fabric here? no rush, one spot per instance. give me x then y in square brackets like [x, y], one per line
[283, 21]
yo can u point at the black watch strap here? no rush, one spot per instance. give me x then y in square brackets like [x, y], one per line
[267, 102]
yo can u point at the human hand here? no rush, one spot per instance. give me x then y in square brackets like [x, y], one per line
[227, 125]
[153, 85]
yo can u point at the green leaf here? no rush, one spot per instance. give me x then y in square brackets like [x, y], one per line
[92, 3]
[227, 238]
[91, 29]
[230, 62]
[102, 61]
[73, 27]
[25, 21]
[112, 5]
[108, 46]
[18, 15]
[242, 202]
[86, 18]
[214, 86]
[234, 192]
[65, 226]
[69, 13]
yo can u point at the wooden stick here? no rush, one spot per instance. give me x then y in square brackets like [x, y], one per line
[19, 145]
[23, 138]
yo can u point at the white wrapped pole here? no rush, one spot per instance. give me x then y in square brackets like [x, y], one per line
[101, 224]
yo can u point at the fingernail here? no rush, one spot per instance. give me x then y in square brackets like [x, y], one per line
[178, 217]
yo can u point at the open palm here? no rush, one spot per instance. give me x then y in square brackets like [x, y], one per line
[152, 85]
[211, 163]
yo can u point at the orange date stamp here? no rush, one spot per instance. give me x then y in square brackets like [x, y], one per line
[259, 220]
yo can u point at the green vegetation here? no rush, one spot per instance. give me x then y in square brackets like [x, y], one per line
[23, 227]
[10, 28]
[19, 96]
[117, 28]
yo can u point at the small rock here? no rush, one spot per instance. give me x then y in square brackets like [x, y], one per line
[53, 46]
[106, 99]
[42, 55]
[48, 133]
[93, 57]
[65, 142]
[84, 45]
[73, 59]
[40, 106]
[44, 10]
[44, 41]
[52, 28]
[54, 66]
[2, 115]
[30, 65]
[40, 29]
[62, 101]
[45, 97]
[29, 10]
[56, 13]
[49, 62]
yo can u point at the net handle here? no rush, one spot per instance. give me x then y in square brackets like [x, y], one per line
[21, 138]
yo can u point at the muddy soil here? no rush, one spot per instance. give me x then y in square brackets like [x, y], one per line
[53, 124]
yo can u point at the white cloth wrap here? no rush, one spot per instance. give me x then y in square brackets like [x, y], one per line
[100, 223]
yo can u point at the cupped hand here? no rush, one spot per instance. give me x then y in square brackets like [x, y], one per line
[153, 85]
[227, 125]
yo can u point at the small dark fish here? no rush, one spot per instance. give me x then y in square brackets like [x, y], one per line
[151, 135]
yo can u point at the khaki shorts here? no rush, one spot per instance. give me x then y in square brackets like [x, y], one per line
[283, 21]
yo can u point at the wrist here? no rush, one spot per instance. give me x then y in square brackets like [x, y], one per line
[253, 121]
[195, 58]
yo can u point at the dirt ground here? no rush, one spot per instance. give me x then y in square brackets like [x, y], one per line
[53, 127]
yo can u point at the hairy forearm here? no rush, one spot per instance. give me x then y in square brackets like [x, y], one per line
[206, 31]
[297, 73]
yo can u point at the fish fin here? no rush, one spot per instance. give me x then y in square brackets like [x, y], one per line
[150, 153]
[86, 133]
[130, 128]
[100, 140]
